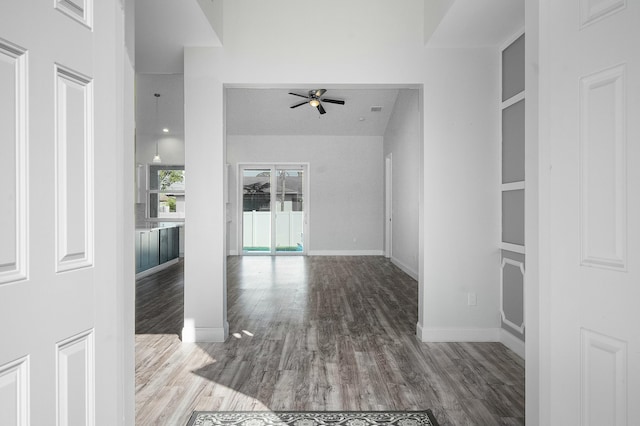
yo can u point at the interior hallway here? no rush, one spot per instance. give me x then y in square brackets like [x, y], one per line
[315, 333]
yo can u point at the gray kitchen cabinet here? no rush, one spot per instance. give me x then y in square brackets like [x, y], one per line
[156, 246]
[147, 250]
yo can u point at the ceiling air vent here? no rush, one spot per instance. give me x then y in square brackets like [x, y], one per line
[376, 108]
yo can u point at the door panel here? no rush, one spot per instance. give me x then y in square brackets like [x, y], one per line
[52, 317]
[13, 162]
[590, 80]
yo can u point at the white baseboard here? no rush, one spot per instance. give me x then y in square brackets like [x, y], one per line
[458, 334]
[409, 271]
[340, 253]
[419, 332]
[512, 342]
[155, 269]
[346, 253]
[205, 334]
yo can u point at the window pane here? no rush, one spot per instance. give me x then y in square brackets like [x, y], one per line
[168, 199]
[289, 210]
[166, 205]
[166, 178]
[256, 190]
[256, 207]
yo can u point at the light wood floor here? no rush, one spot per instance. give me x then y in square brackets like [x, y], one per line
[315, 333]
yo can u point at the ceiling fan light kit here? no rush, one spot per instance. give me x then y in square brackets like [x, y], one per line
[315, 99]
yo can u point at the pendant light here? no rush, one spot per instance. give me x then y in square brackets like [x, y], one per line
[156, 158]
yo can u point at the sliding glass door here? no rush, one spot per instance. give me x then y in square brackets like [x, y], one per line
[273, 209]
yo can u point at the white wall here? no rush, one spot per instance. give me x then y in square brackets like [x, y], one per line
[170, 148]
[402, 139]
[205, 269]
[346, 187]
[170, 115]
[149, 127]
[537, 402]
[461, 197]
[458, 201]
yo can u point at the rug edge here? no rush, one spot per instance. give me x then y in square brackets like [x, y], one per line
[432, 417]
[429, 412]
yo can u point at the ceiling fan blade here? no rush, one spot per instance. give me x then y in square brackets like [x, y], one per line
[320, 109]
[320, 92]
[333, 101]
[297, 105]
[296, 94]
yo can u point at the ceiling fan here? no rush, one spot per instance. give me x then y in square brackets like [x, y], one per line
[314, 98]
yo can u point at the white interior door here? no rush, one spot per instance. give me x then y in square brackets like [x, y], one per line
[57, 108]
[590, 80]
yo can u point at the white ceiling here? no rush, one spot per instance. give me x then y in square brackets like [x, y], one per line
[163, 28]
[473, 23]
[170, 104]
[252, 111]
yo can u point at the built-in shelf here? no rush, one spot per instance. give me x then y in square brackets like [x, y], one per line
[513, 100]
[512, 186]
[516, 248]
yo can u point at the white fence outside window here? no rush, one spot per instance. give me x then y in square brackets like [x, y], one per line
[257, 229]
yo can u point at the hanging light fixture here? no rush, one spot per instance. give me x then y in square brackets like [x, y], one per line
[156, 158]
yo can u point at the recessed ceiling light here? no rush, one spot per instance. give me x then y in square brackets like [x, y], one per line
[165, 130]
[361, 119]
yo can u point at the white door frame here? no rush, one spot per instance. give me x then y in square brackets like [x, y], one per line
[388, 205]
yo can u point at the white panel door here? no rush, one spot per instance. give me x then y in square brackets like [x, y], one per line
[56, 110]
[590, 88]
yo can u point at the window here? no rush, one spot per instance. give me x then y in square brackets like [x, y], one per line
[166, 193]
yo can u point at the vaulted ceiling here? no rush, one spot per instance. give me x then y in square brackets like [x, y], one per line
[165, 27]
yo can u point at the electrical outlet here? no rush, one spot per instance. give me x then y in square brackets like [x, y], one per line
[472, 299]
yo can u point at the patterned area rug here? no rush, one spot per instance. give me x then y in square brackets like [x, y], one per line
[312, 418]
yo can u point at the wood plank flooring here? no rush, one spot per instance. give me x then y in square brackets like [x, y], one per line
[315, 333]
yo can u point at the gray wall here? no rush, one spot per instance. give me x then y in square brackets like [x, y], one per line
[402, 139]
[346, 213]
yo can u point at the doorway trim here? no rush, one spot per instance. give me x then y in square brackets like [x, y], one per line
[388, 206]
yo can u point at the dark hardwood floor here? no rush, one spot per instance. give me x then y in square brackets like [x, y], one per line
[315, 333]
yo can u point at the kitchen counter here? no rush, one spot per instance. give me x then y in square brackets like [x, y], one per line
[154, 225]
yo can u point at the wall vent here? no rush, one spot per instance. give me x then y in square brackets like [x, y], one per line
[376, 108]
